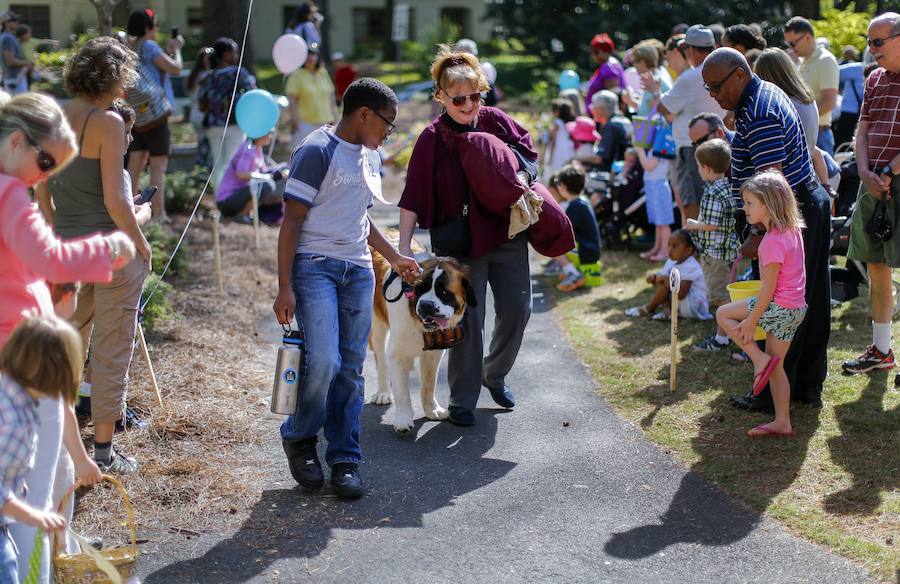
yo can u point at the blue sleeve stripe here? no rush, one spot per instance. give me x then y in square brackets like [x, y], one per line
[299, 190]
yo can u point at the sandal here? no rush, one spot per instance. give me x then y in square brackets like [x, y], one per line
[660, 257]
[637, 311]
[660, 316]
[763, 431]
[761, 379]
[646, 255]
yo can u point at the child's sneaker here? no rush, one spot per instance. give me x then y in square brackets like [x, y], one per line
[636, 311]
[571, 283]
[710, 344]
[552, 270]
[870, 360]
[118, 464]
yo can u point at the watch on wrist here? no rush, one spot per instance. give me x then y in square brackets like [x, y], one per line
[888, 171]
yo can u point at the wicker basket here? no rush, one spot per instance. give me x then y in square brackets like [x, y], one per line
[81, 568]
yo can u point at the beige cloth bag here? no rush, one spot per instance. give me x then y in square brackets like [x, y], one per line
[526, 211]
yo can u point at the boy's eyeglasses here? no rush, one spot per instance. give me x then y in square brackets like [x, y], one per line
[460, 100]
[878, 43]
[717, 87]
[390, 125]
[45, 160]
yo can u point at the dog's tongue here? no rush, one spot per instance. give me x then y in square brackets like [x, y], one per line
[442, 322]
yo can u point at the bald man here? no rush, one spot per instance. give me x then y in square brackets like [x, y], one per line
[878, 162]
[768, 135]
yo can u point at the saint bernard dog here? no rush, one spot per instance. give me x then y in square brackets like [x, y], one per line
[436, 301]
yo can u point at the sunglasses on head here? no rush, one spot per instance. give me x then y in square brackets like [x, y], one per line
[460, 100]
[878, 43]
[45, 160]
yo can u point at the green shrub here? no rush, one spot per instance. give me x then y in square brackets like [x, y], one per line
[159, 308]
[183, 188]
[842, 28]
[162, 241]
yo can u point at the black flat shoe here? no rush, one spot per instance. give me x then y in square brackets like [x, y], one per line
[304, 463]
[346, 482]
[754, 404]
[461, 416]
[503, 396]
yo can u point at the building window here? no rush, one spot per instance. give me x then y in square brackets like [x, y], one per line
[460, 17]
[369, 26]
[35, 16]
[194, 18]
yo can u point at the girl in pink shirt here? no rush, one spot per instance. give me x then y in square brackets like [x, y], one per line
[780, 307]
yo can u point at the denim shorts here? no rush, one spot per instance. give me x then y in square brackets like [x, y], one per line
[659, 202]
[779, 321]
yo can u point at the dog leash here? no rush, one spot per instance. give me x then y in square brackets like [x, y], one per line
[406, 289]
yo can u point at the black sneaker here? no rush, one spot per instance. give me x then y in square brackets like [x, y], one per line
[131, 422]
[710, 344]
[869, 361]
[346, 482]
[304, 463]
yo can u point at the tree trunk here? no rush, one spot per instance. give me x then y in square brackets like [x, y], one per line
[227, 18]
[389, 52]
[105, 10]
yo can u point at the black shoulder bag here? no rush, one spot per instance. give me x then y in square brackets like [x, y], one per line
[453, 237]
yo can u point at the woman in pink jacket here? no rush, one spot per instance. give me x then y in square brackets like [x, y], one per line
[35, 142]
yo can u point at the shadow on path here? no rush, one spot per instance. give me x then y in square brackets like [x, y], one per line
[415, 476]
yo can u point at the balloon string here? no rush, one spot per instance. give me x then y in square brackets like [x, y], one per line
[216, 162]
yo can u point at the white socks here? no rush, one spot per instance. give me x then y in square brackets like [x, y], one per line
[881, 336]
[571, 270]
[722, 339]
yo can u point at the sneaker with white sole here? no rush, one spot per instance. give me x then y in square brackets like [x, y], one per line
[711, 344]
[571, 283]
[118, 464]
[871, 360]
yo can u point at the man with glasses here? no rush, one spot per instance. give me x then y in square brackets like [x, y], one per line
[686, 99]
[820, 70]
[768, 135]
[878, 161]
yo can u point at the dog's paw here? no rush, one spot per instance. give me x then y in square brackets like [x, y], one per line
[382, 399]
[437, 413]
[403, 422]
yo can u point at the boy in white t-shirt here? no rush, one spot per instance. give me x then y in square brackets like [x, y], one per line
[692, 294]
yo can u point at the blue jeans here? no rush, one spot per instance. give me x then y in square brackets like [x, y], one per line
[825, 141]
[9, 571]
[334, 314]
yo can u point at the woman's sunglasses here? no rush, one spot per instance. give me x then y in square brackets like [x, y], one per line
[45, 160]
[460, 100]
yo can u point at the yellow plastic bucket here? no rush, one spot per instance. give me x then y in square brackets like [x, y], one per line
[742, 290]
[593, 274]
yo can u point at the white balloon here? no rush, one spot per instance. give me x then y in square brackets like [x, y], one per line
[489, 71]
[289, 53]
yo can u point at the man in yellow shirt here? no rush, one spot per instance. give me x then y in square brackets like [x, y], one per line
[311, 94]
[820, 70]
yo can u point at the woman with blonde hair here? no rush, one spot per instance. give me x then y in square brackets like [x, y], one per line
[775, 66]
[438, 194]
[35, 143]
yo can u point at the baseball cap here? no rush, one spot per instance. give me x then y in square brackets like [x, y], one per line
[700, 36]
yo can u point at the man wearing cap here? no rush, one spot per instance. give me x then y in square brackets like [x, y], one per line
[609, 74]
[768, 135]
[679, 105]
[15, 67]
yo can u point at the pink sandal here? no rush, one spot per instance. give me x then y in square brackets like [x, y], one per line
[762, 378]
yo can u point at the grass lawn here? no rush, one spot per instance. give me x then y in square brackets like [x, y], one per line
[837, 483]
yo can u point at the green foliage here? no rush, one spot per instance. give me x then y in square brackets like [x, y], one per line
[421, 53]
[162, 241]
[842, 28]
[183, 188]
[159, 308]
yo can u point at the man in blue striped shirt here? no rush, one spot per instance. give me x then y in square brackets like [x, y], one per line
[768, 135]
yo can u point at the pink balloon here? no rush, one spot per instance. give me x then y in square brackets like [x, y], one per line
[289, 53]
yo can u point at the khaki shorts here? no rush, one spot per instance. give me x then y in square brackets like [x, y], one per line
[106, 316]
[717, 274]
[864, 247]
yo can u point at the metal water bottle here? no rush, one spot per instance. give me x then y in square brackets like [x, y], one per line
[287, 374]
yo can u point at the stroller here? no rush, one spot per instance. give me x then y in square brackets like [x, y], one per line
[618, 205]
[845, 281]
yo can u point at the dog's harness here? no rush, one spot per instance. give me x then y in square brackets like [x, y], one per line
[406, 289]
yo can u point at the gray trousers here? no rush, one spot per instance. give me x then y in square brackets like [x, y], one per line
[506, 270]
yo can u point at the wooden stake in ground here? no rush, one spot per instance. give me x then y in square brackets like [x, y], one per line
[674, 288]
[217, 250]
[146, 353]
[255, 190]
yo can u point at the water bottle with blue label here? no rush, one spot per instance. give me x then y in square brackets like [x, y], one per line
[287, 374]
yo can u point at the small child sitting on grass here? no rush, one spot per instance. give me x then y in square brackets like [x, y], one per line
[41, 359]
[569, 182]
[715, 232]
[682, 255]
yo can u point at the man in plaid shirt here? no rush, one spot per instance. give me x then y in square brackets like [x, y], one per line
[715, 232]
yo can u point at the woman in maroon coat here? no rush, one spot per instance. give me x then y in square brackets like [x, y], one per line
[438, 194]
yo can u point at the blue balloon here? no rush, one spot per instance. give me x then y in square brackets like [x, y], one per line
[257, 113]
[568, 79]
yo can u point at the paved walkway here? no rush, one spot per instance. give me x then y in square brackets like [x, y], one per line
[559, 490]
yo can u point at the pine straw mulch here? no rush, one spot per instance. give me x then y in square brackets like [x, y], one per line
[203, 458]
